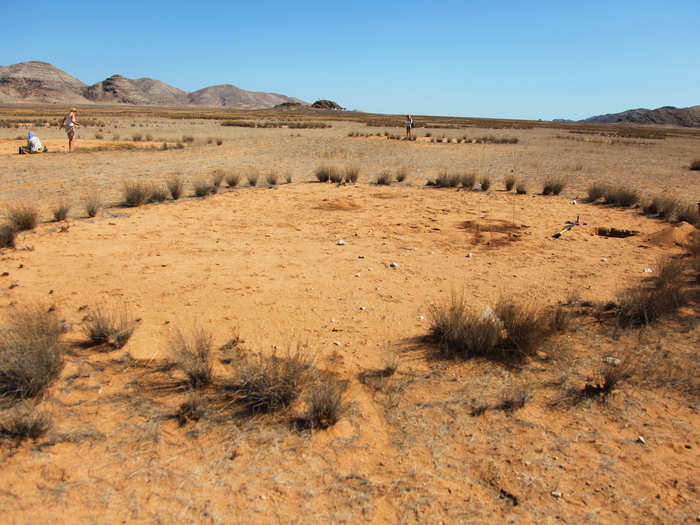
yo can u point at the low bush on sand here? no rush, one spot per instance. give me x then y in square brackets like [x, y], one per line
[272, 179]
[654, 298]
[521, 187]
[606, 379]
[60, 211]
[8, 233]
[509, 333]
[695, 165]
[553, 186]
[252, 180]
[621, 196]
[595, 191]
[352, 173]
[158, 193]
[288, 178]
[509, 182]
[93, 204]
[23, 217]
[467, 181]
[192, 355]
[323, 173]
[662, 206]
[232, 180]
[264, 384]
[401, 174]
[108, 327]
[136, 193]
[384, 178]
[31, 356]
[325, 406]
[203, 188]
[175, 186]
[24, 422]
[216, 179]
[447, 180]
[688, 213]
[485, 183]
[336, 176]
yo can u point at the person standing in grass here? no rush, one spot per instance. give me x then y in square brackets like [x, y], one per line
[409, 125]
[69, 124]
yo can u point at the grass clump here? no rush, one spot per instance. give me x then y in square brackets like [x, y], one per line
[22, 217]
[509, 182]
[136, 193]
[467, 181]
[60, 211]
[401, 174]
[93, 204]
[485, 182]
[447, 180]
[272, 179]
[108, 327]
[507, 334]
[384, 178]
[607, 379]
[216, 179]
[8, 233]
[621, 196]
[158, 194]
[352, 173]
[193, 356]
[31, 356]
[175, 186]
[24, 422]
[521, 187]
[252, 180]
[325, 406]
[688, 213]
[323, 173]
[232, 180]
[264, 384]
[553, 186]
[203, 188]
[695, 165]
[336, 176]
[596, 191]
[654, 298]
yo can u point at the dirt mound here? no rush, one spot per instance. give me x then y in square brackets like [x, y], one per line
[680, 235]
[326, 104]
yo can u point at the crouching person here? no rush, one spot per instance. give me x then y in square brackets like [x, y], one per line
[33, 145]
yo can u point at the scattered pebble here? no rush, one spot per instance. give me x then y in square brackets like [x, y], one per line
[357, 274]
[648, 270]
[363, 308]
[421, 317]
[336, 343]
[556, 494]
[573, 201]
[604, 259]
[360, 256]
[612, 361]
[340, 242]
[469, 255]
[394, 265]
[641, 440]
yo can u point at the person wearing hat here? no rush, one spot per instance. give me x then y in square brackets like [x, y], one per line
[33, 145]
[69, 124]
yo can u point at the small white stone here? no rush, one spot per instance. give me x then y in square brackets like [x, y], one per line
[648, 270]
[469, 255]
[340, 242]
[421, 317]
[363, 308]
[394, 265]
[360, 256]
[556, 494]
[336, 343]
[641, 440]
[612, 361]
[573, 201]
[604, 260]
[357, 274]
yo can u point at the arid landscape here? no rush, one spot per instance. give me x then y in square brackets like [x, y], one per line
[405, 342]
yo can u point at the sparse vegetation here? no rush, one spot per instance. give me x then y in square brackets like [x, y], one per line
[607, 378]
[272, 179]
[8, 232]
[203, 188]
[216, 179]
[401, 174]
[620, 196]
[447, 180]
[193, 356]
[252, 180]
[158, 193]
[136, 193]
[232, 180]
[335, 176]
[688, 213]
[24, 422]
[521, 187]
[596, 191]
[695, 165]
[175, 186]
[187, 139]
[325, 405]
[108, 327]
[93, 204]
[509, 182]
[60, 211]
[553, 186]
[351, 174]
[384, 178]
[485, 182]
[323, 173]
[22, 217]
[288, 178]
[31, 356]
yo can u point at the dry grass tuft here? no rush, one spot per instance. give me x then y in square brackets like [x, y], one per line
[93, 204]
[485, 183]
[553, 186]
[232, 180]
[607, 379]
[325, 406]
[109, 327]
[352, 173]
[401, 174]
[203, 188]
[384, 178]
[8, 232]
[595, 191]
[159, 193]
[272, 179]
[216, 179]
[175, 186]
[521, 187]
[252, 180]
[136, 193]
[688, 213]
[24, 422]
[22, 217]
[621, 196]
[695, 165]
[31, 356]
[193, 356]
[509, 182]
[60, 211]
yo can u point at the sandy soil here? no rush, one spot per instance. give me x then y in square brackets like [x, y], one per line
[266, 263]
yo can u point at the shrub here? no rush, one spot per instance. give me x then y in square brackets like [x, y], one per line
[216, 179]
[655, 298]
[401, 174]
[688, 213]
[232, 180]
[384, 178]
[149, 137]
[99, 136]
[335, 176]
[109, 327]
[447, 180]
[93, 203]
[219, 142]
[596, 191]
[467, 181]
[187, 138]
[521, 187]
[265, 384]
[136, 137]
[23, 217]
[485, 182]
[252, 180]
[175, 186]
[158, 193]
[620, 196]
[31, 357]
[325, 404]
[60, 211]
[272, 179]
[695, 165]
[288, 178]
[323, 173]
[667, 207]
[24, 422]
[136, 193]
[352, 173]
[509, 182]
[609, 376]
[553, 186]
[193, 356]
[202, 188]
[8, 232]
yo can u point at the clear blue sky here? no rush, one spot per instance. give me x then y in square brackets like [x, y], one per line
[512, 59]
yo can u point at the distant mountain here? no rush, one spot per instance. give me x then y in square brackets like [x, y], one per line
[40, 82]
[664, 116]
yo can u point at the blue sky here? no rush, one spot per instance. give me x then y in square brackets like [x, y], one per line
[508, 59]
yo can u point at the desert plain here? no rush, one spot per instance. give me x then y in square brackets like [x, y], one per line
[350, 276]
